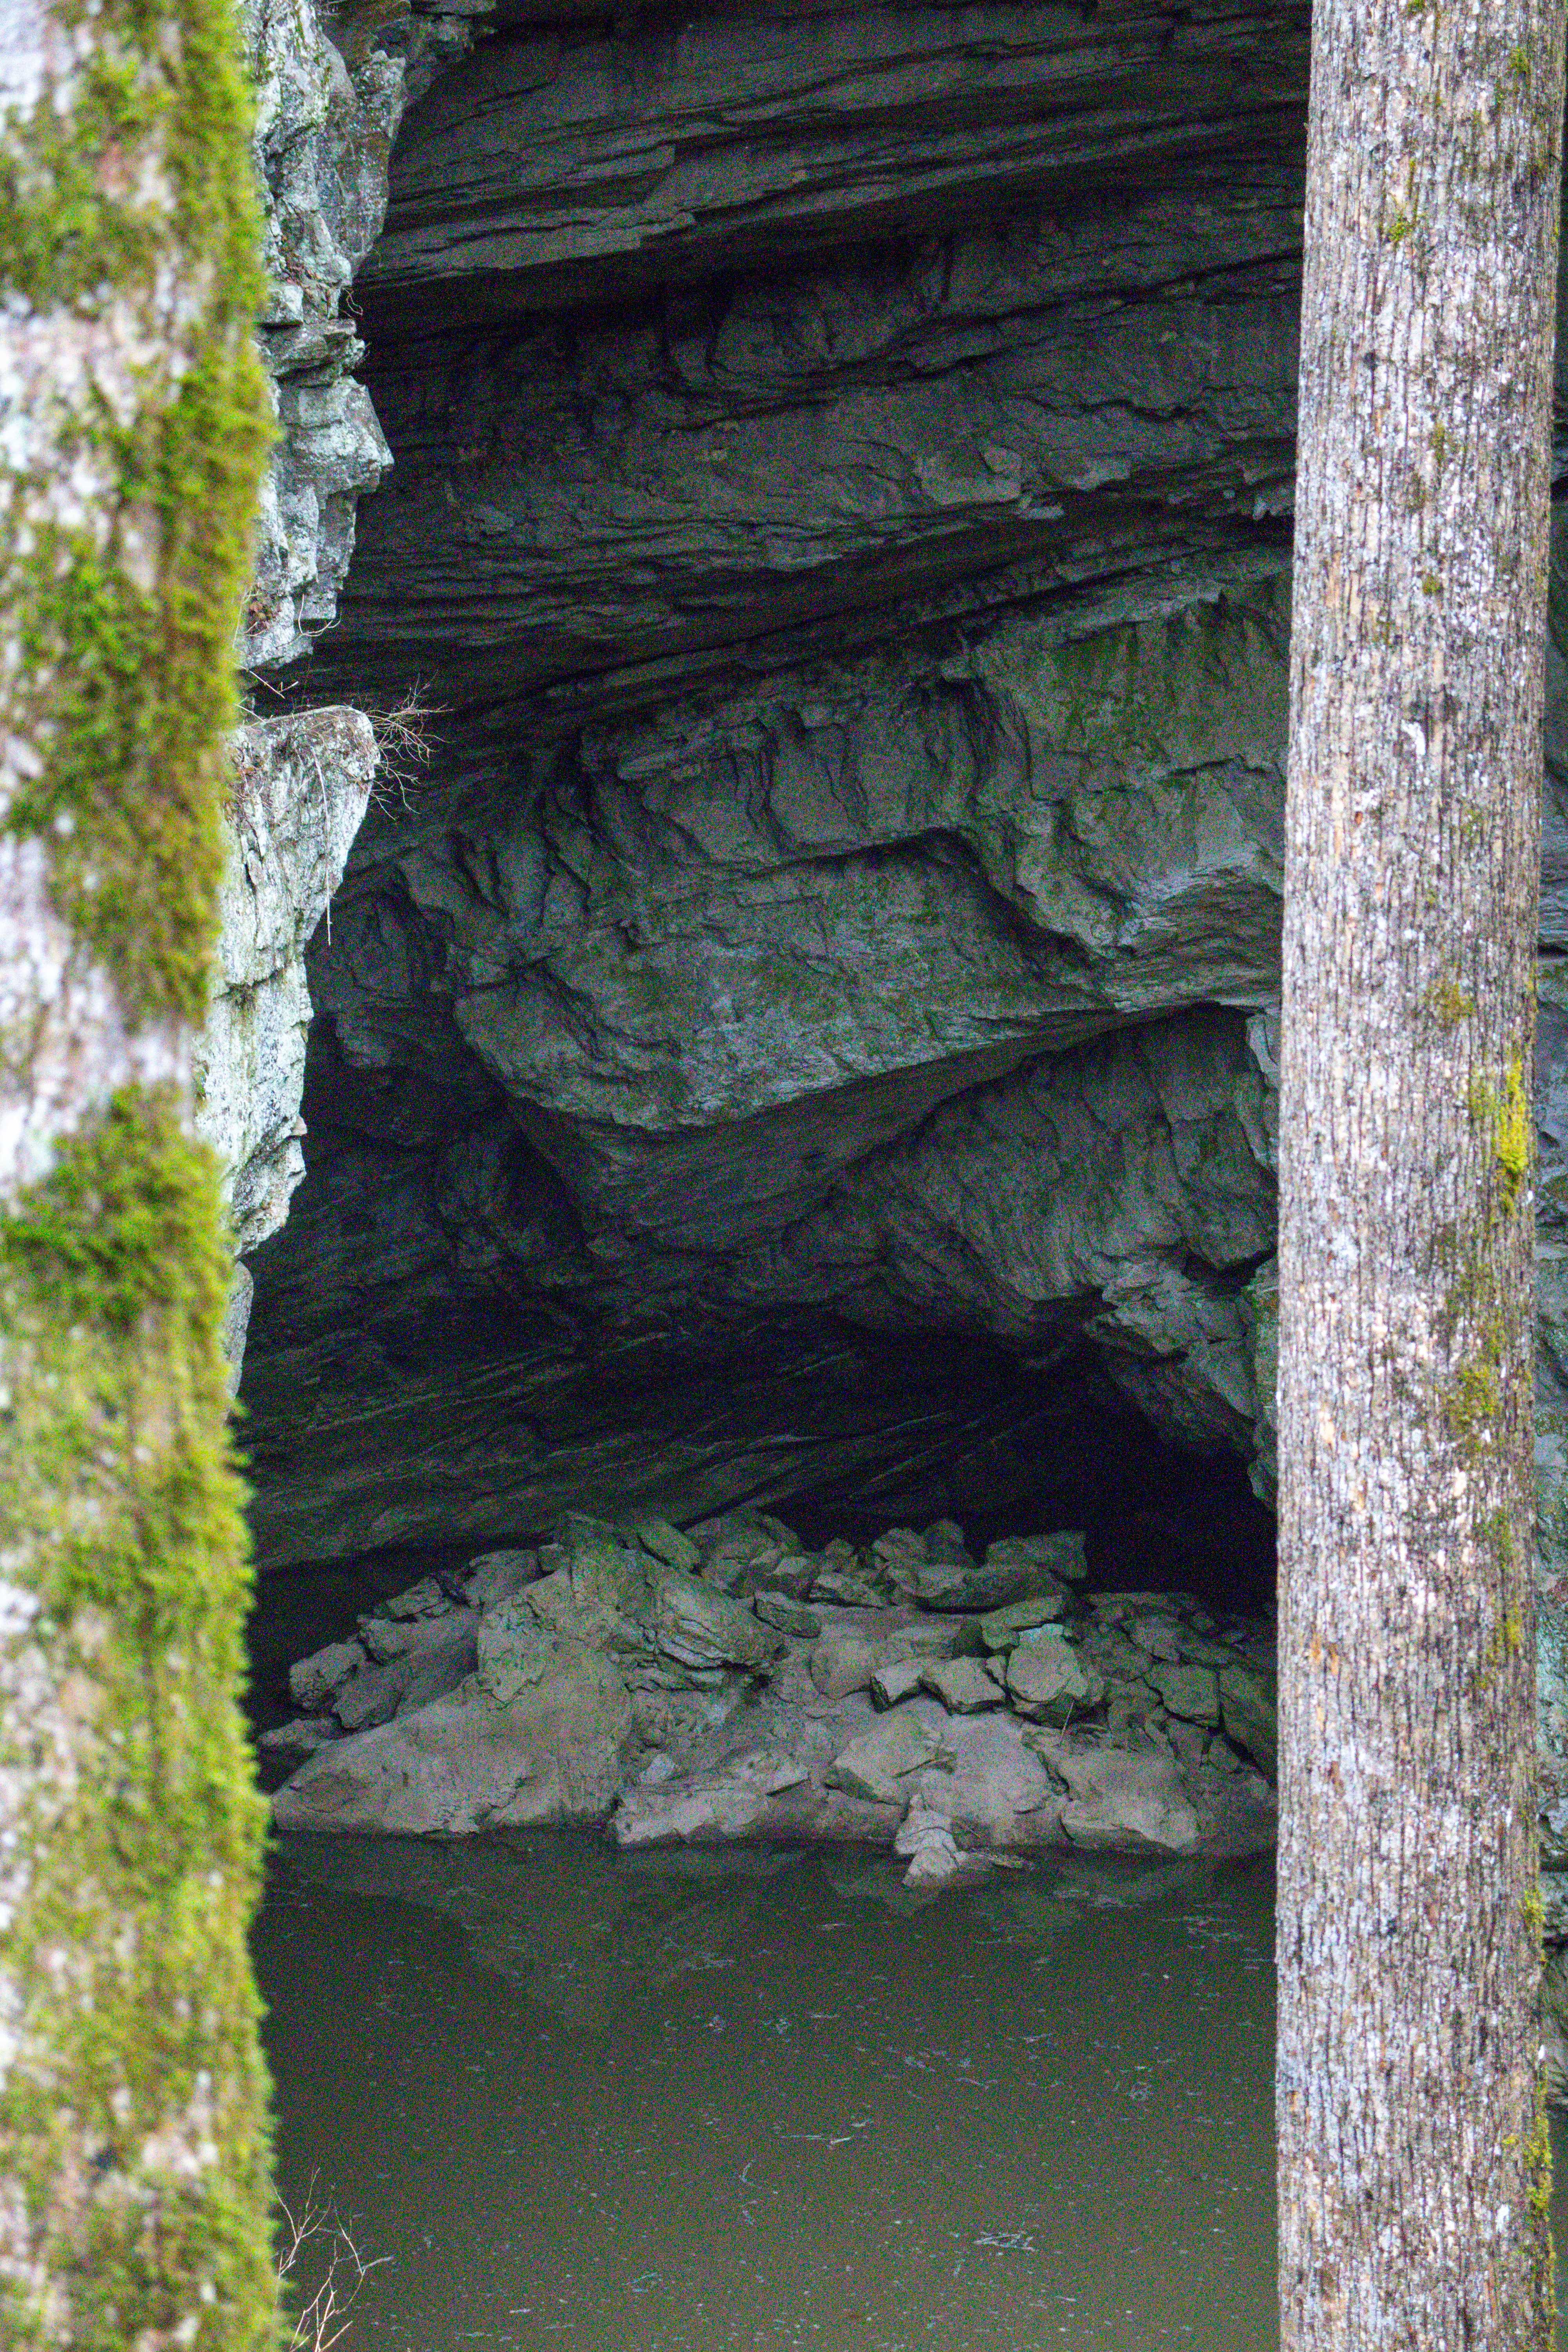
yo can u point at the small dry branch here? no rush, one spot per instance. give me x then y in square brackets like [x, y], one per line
[317, 2244]
[405, 741]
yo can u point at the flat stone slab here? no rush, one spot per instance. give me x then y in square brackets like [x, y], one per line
[964, 1685]
[873, 1765]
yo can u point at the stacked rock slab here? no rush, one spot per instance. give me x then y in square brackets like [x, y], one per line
[968, 1708]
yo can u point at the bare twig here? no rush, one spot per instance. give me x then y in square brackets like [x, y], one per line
[405, 741]
[318, 2243]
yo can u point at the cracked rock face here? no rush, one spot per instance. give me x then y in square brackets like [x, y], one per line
[299, 794]
[327, 110]
[326, 113]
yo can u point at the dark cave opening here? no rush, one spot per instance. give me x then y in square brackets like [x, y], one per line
[800, 1042]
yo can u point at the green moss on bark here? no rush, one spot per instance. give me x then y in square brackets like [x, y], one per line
[1504, 1116]
[133, 2119]
[132, 658]
[139, 2030]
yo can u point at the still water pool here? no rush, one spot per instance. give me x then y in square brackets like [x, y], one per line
[685, 2104]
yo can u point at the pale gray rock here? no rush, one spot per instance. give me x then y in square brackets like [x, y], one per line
[790, 1576]
[919, 1636]
[298, 794]
[551, 1754]
[427, 1598]
[573, 1671]
[898, 1557]
[301, 1737]
[669, 1544]
[699, 1627]
[897, 1679]
[840, 1589]
[416, 1659]
[940, 1573]
[713, 1815]
[999, 1795]
[1158, 1634]
[875, 1765]
[1048, 1680]
[844, 1662]
[371, 1695]
[924, 1840]
[1249, 1709]
[786, 1616]
[387, 1637]
[1123, 1802]
[1002, 1629]
[1060, 1555]
[1190, 1692]
[749, 1551]
[964, 1685]
[435, 1669]
[496, 1575]
[313, 1681]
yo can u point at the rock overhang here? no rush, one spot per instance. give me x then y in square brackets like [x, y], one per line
[819, 823]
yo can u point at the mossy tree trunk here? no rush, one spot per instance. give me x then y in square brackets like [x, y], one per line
[1412, 2157]
[133, 2150]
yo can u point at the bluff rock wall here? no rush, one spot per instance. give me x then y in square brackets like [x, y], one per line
[809, 1036]
[325, 118]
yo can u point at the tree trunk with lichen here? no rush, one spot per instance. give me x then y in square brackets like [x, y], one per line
[1413, 2156]
[133, 2148]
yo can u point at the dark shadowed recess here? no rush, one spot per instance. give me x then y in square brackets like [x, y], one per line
[822, 347]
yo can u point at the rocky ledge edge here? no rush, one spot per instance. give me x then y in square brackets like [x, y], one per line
[730, 1684]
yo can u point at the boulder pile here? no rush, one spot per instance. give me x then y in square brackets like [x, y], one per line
[729, 1682]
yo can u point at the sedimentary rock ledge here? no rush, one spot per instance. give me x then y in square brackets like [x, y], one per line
[576, 159]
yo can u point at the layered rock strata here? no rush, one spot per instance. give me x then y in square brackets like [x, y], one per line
[812, 1036]
[330, 90]
[572, 157]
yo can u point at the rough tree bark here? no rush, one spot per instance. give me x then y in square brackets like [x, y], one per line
[1412, 2154]
[133, 2155]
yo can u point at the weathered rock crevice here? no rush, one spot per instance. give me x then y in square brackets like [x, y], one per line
[331, 90]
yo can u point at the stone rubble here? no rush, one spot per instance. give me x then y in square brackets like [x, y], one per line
[661, 1684]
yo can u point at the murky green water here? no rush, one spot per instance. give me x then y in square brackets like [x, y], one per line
[759, 2100]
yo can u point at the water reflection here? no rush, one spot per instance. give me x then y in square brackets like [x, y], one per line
[757, 2099]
